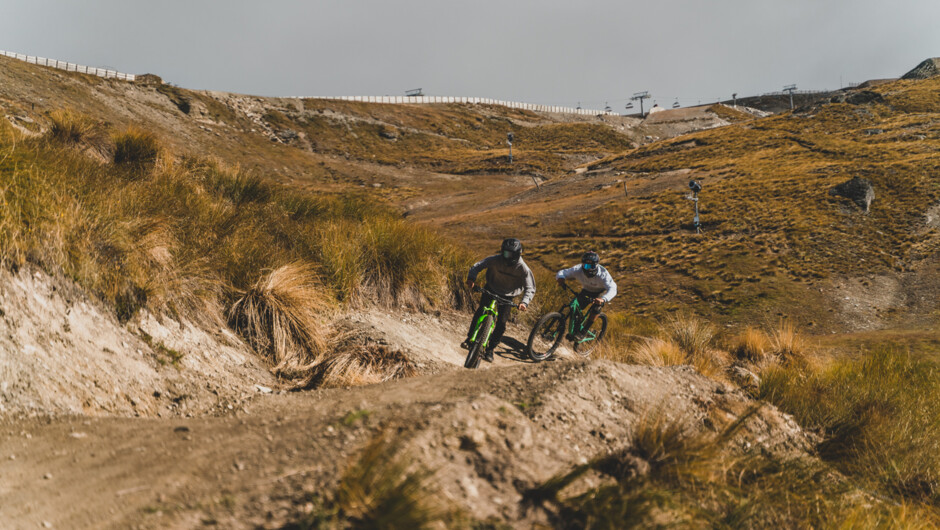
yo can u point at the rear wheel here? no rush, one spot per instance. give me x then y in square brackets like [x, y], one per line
[592, 336]
[545, 337]
[476, 349]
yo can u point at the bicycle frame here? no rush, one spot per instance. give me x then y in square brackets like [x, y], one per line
[490, 309]
[576, 317]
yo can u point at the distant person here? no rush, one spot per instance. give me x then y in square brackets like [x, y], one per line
[597, 285]
[507, 276]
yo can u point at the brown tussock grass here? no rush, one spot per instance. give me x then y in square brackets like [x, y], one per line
[751, 345]
[383, 488]
[136, 148]
[682, 340]
[692, 335]
[281, 316]
[71, 128]
[789, 346]
[657, 352]
[349, 364]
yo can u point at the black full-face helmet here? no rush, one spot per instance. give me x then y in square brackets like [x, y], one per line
[510, 250]
[589, 262]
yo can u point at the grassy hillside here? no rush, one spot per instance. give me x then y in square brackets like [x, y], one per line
[139, 227]
[775, 240]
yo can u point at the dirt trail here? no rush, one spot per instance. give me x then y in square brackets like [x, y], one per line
[433, 341]
[242, 455]
[489, 435]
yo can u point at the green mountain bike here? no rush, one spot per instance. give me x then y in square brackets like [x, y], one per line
[483, 328]
[567, 322]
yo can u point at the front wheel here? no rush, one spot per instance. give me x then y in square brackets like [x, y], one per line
[545, 337]
[592, 336]
[479, 345]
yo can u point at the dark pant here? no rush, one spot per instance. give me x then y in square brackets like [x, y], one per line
[502, 316]
[586, 297]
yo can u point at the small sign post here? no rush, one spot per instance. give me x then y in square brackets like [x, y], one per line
[695, 187]
[509, 141]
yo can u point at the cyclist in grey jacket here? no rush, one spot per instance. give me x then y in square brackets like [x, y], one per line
[507, 276]
[597, 285]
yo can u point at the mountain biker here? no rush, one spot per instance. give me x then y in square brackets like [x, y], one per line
[508, 276]
[597, 285]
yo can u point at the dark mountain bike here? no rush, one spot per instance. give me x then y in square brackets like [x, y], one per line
[483, 328]
[566, 323]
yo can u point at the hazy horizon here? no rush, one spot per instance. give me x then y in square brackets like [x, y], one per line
[555, 53]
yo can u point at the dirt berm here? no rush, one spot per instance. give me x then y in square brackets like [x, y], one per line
[488, 436]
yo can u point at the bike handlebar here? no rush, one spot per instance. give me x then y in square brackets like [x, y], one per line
[576, 293]
[507, 301]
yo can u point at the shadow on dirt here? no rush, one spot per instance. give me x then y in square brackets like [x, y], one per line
[512, 350]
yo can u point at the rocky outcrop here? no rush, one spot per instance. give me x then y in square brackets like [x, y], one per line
[858, 97]
[858, 190]
[925, 70]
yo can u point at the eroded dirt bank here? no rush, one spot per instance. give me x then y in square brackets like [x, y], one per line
[488, 436]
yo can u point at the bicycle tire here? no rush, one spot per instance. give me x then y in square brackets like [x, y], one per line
[478, 346]
[585, 346]
[545, 336]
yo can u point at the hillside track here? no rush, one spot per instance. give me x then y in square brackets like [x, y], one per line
[488, 434]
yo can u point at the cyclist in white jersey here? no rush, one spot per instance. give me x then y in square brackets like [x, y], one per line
[597, 285]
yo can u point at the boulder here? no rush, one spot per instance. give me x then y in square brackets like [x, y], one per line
[859, 190]
[744, 378]
[148, 79]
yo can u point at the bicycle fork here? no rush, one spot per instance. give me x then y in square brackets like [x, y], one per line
[476, 330]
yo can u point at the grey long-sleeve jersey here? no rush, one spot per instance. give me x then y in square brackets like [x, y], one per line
[602, 283]
[505, 279]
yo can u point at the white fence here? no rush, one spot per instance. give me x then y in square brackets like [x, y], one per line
[796, 93]
[69, 67]
[475, 101]
[72, 67]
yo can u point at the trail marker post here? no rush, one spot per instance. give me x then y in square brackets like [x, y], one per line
[695, 187]
[509, 138]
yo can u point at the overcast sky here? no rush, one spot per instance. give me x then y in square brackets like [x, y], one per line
[548, 51]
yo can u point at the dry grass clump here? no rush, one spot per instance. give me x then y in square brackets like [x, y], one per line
[762, 351]
[879, 416]
[136, 148]
[282, 317]
[657, 352]
[692, 335]
[382, 489]
[73, 128]
[682, 340]
[676, 453]
[387, 260]
[348, 363]
[789, 346]
[673, 474]
[752, 345]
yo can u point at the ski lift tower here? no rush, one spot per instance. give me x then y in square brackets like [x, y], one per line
[790, 89]
[641, 96]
